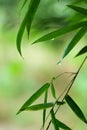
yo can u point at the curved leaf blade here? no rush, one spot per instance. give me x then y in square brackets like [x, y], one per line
[27, 21]
[75, 40]
[82, 51]
[75, 108]
[40, 106]
[78, 9]
[53, 90]
[54, 120]
[60, 32]
[62, 125]
[35, 96]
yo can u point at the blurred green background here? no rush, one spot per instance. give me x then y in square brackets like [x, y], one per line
[20, 78]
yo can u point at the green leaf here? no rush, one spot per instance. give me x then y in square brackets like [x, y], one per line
[75, 108]
[40, 107]
[44, 111]
[25, 1]
[79, 9]
[62, 125]
[75, 40]
[61, 31]
[54, 120]
[27, 21]
[53, 90]
[35, 96]
[60, 103]
[82, 51]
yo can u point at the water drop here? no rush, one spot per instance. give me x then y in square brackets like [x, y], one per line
[52, 39]
[59, 62]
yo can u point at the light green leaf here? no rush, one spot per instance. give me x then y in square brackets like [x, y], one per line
[82, 51]
[75, 40]
[35, 96]
[75, 108]
[62, 125]
[54, 120]
[61, 31]
[44, 111]
[27, 21]
[79, 9]
[53, 90]
[40, 106]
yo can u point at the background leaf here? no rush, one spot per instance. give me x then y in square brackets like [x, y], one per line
[75, 108]
[79, 9]
[35, 96]
[75, 40]
[82, 51]
[60, 32]
[40, 106]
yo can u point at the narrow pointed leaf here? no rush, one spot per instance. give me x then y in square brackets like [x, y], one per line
[32, 10]
[54, 120]
[53, 90]
[82, 51]
[44, 110]
[35, 96]
[79, 9]
[75, 40]
[60, 32]
[40, 107]
[27, 21]
[75, 108]
[62, 125]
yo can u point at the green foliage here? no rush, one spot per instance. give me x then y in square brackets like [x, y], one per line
[79, 28]
[75, 108]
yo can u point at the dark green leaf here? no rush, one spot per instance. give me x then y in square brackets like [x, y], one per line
[27, 21]
[54, 120]
[61, 31]
[75, 40]
[82, 51]
[44, 111]
[79, 9]
[60, 103]
[75, 108]
[40, 107]
[53, 90]
[62, 125]
[35, 96]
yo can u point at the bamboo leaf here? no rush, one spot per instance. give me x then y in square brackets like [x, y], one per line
[35, 96]
[79, 9]
[62, 125]
[54, 120]
[75, 108]
[60, 103]
[53, 90]
[82, 51]
[75, 40]
[44, 110]
[27, 21]
[25, 1]
[60, 32]
[40, 106]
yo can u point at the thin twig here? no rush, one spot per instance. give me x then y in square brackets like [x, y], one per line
[73, 80]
